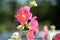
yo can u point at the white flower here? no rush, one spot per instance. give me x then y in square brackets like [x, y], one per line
[51, 35]
[15, 35]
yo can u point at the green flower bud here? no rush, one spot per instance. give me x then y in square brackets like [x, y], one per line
[20, 27]
[33, 4]
[28, 26]
[53, 27]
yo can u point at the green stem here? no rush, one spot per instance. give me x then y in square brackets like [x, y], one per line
[20, 35]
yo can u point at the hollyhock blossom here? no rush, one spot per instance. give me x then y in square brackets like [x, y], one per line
[23, 14]
[34, 24]
[30, 35]
[45, 31]
[57, 37]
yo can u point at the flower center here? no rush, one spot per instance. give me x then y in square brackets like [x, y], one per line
[22, 15]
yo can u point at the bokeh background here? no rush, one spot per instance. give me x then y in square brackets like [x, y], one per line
[47, 11]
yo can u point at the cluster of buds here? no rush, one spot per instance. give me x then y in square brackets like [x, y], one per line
[33, 4]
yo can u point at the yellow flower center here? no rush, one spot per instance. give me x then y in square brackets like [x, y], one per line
[22, 15]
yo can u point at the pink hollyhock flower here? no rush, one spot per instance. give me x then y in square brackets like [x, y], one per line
[30, 35]
[23, 14]
[34, 24]
[57, 37]
[45, 31]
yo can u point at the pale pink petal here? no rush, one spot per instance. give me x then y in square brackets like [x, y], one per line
[34, 24]
[30, 35]
[45, 31]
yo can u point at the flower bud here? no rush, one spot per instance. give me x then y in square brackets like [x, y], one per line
[28, 26]
[53, 27]
[15, 35]
[33, 3]
[20, 27]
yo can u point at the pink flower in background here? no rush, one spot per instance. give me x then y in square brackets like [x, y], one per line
[57, 37]
[45, 31]
[30, 35]
[23, 15]
[34, 24]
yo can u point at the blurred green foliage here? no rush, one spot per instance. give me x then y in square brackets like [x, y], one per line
[44, 11]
